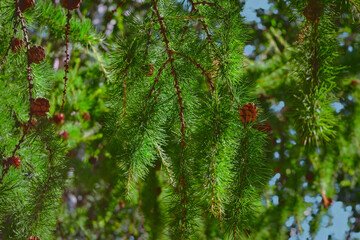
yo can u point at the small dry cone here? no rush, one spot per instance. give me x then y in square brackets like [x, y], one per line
[71, 4]
[59, 118]
[309, 176]
[326, 200]
[40, 107]
[16, 45]
[33, 238]
[64, 134]
[248, 113]
[313, 11]
[86, 116]
[14, 161]
[25, 4]
[36, 54]
[92, 160]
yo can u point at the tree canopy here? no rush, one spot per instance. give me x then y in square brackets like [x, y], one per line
[148, 120]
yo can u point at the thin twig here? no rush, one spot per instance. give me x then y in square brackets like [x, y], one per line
[170, 53]
[67, 57]
[113, 11]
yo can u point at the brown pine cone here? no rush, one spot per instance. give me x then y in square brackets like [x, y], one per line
[40, 107]
[36, 54]
[33, 238]
[86, 116]
[64, 134]
[14, 161]
[59, 118]
[248, 113]
[71, 4]
[313, 11]
[16, 44]
[92, 160]
[25, 4]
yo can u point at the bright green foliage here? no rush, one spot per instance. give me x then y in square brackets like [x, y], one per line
[183, 115]
[156, 147]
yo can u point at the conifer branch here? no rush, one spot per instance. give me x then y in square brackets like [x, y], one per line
[67, 57]
[355, 6]
[128, 181]
[99, 59]
[170, 52]
[213, 175]
[117, 7]
[47, 185]
[29, 69]
[205, 3]
[204, 25]
[125, 91]
[164, 163]
[314, 60]
[157, 78]
[31, 99]
[243, 176]
[149, 32]
[185, 28]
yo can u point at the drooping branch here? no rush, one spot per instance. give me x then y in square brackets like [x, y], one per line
[203, 23]
[117, 7]
[157, 78]
[31, 99]
[170, 54]
[182, 186]
[67, 57]
[355, 6]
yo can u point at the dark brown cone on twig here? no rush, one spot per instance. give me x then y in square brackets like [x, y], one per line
[33, 238]
[248, 113]
[86, 116]
[16, 44]
[36, 54]
[14, 161]
[71, 4]
[92, 160]
[59, 118]
[64, 134]
[40, 107]
[313, 11]
[25, 4]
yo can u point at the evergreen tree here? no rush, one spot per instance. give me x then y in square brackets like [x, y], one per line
[149, 124]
